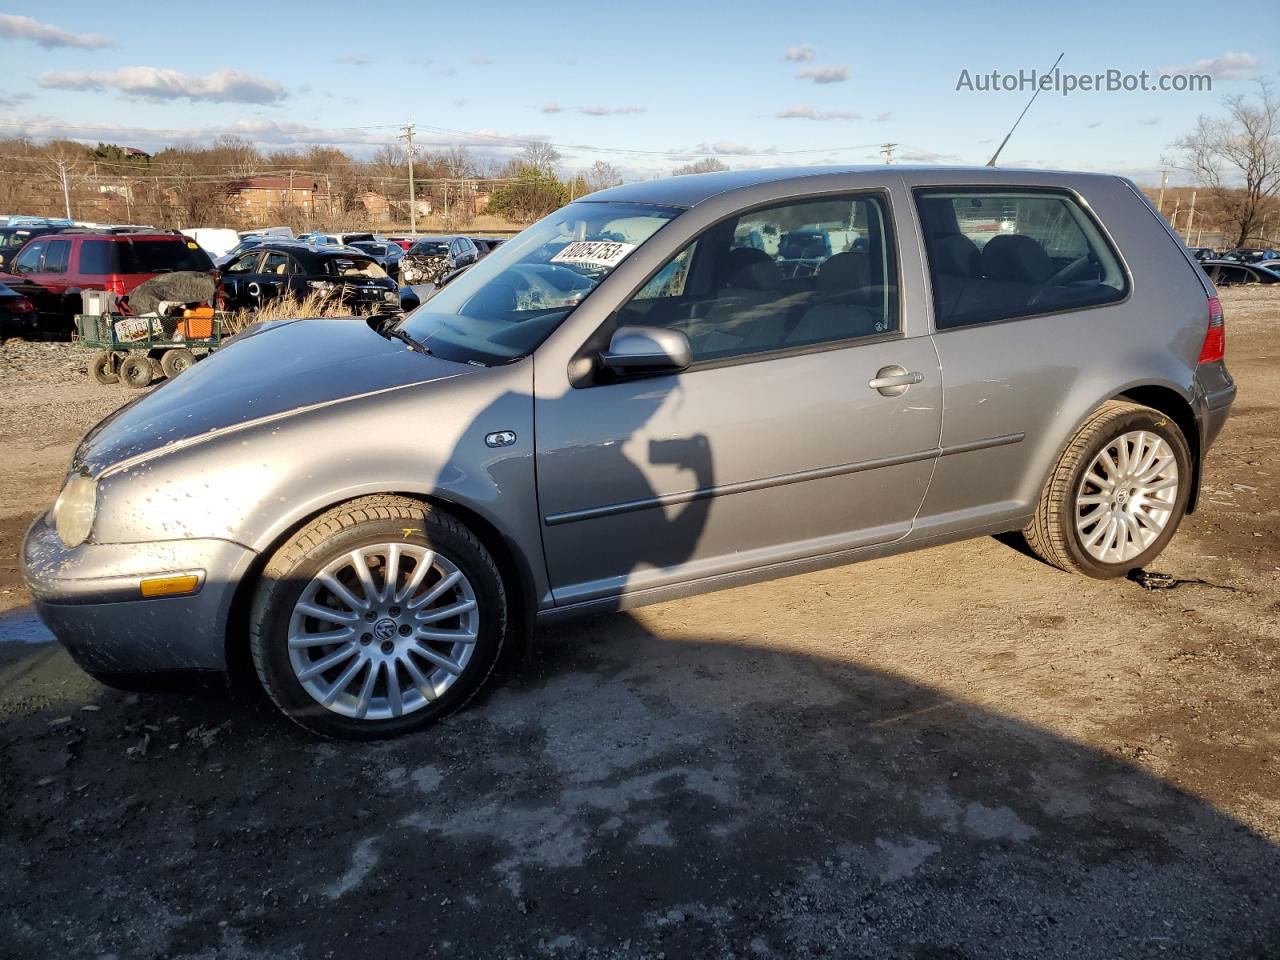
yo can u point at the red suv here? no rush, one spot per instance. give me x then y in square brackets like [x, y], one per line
[53, 270]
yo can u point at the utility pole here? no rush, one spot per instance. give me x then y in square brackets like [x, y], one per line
[887, 150]
[1164, 182]
[66, 190]
[407, 136]
[1191, 216]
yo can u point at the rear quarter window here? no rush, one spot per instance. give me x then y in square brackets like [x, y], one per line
[1006, 253]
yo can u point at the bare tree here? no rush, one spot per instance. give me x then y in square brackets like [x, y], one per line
[1237, 159]
[705, 165]
[541, 155]
[601, 176]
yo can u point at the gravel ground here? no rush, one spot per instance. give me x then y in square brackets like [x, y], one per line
[959, 753]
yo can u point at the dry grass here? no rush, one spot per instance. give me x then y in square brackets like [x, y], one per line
[286, 308]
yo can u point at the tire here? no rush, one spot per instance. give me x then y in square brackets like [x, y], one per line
[381, 641]
[1076, 507]
[174, 362]
[136, 371]
[103, 369]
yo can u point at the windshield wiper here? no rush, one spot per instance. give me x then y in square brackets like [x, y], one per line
[389, 330]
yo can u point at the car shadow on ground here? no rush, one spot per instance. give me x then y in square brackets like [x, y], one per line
[623, 795]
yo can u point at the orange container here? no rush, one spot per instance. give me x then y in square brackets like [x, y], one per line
[197, 324]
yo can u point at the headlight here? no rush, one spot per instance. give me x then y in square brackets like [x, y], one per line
[74, 509]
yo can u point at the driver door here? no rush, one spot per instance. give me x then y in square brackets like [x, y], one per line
[241, 281]
[773, 447]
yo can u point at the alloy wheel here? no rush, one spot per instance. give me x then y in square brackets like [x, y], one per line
[1126, 497]
[383, 630]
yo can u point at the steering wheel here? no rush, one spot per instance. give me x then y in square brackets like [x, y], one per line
[1063, 276]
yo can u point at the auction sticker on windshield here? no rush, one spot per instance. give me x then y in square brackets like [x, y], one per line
[596, 253]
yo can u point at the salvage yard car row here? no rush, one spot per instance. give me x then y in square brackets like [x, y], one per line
[47, 267]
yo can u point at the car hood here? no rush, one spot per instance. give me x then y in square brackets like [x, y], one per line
[271, 372]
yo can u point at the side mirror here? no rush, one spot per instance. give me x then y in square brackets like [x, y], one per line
[647, 349]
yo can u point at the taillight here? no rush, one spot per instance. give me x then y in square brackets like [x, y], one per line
[115, 285]
[1214, 347]
[22, 305]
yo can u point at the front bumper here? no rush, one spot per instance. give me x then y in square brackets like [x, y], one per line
[89, 598]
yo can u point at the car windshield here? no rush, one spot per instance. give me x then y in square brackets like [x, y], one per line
[430, 248]
[502, 308]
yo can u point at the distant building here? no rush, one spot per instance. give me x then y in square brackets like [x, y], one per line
[136, 152]
[257, 197]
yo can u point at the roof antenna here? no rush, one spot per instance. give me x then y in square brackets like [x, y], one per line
[994, 156]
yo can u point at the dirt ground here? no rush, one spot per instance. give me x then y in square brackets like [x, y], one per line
[959, 753]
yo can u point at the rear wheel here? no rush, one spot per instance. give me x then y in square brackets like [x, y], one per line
[377, 618]
[103, 368]
[136, 371]
[174, 362]
[1117, 494]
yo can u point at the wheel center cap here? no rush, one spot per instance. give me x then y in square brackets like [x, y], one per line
[384, 629]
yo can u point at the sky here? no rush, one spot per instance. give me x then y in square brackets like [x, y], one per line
[645, 87]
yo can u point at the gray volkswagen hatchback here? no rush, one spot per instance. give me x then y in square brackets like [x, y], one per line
[664, 388]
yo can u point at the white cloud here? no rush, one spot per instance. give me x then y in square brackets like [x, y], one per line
[481, 61]
[824, 74]
[728, 148]
[799, 54]
[1225, 67]
[156, 83]
[597, 111]
[551, 108]
[355, 59]
[47, 36]
[802, 111]
[884, 117]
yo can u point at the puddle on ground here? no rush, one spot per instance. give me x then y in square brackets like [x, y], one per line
[23, 626]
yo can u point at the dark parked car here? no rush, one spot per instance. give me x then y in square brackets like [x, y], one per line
[486, 245]
[54, 270]
[12, 239]
[244, 246]
[430, 259]
[279, 268]
[1204, 253]
[387, 253]
[1250, 254]
[17, 313]
[1228, 273]
[624, 405]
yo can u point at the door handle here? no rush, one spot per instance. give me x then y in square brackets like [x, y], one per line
[893, 381]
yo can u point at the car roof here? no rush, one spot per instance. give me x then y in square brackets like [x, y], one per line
[691, 189]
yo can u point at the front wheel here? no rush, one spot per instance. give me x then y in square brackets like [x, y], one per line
[1117, 494]
[377, 618]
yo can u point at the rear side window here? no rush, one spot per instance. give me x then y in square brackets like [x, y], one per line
[98, 257]
[999, 255]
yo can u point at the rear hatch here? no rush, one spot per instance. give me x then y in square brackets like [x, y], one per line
[126, 262]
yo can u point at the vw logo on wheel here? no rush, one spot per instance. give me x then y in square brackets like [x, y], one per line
[384, 629]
